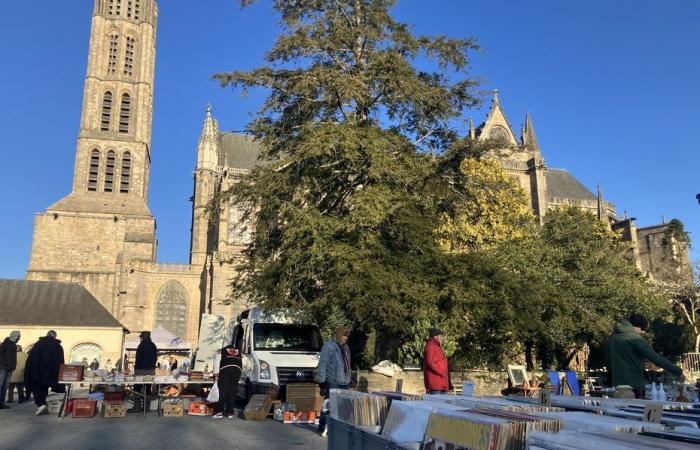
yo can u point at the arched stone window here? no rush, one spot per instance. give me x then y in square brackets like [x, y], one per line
[109, 171]
[125, 173]
[106, 111]
[129, 57]
[113, 52]
[137, 9]
[125, 113]
[111, 7]
[171, 308]
[87, 351]
[94, 170]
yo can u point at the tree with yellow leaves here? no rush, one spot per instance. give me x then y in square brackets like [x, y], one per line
[491, 208]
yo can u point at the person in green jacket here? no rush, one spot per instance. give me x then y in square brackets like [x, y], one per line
[627, 351]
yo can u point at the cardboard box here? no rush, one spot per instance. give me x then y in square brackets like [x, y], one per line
[258, 407]
[306, 403]
[113, 409]
[173, 409]
[299, 417]
[309, 390]
[71, 372]
[84, 408]
[200, 409]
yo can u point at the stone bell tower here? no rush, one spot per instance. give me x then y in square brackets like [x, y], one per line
[89, 236]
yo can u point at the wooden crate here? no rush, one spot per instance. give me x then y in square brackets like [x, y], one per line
[71, 372]
[84, 408]
[306, 403]
[302, 390]
[113, 409]
[258, 407]
[173, 409]
[118, 396]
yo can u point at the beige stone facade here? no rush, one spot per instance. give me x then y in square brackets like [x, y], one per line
[102, 234]
[548, 188]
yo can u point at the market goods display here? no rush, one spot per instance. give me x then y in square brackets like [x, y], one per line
[258, 407]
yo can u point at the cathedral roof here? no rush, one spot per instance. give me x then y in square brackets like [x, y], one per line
[102, 203]
[53, 304]
[561, 184]
[238, 151]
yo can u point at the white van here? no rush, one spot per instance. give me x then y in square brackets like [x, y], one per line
[278, 349]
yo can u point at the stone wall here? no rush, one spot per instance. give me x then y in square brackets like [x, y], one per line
[487, 383]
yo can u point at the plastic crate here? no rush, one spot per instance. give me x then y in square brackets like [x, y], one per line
[84, 408]
[343, 436]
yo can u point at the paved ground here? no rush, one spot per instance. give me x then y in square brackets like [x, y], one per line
[21, 429]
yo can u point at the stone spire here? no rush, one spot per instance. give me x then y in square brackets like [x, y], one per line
[472, 131]
[207, 149]
[602, 211]
[529, 137]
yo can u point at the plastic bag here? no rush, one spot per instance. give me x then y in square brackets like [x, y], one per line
[213, 396]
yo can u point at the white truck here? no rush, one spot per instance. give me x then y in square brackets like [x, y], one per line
[278, 349]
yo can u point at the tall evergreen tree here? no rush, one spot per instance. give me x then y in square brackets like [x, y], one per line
[344, 212]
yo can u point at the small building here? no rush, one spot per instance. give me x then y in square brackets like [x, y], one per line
[84, 327]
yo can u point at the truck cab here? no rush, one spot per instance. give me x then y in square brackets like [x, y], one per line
[279, 348]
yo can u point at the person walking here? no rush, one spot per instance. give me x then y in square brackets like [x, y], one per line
[17, 380]
[229, 374]
[627, 352]
[8, 362]
[41, 372]
[334, 367]
[145, 364]
[436, 373]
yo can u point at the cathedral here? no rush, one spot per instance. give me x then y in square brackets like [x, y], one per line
[102, 235]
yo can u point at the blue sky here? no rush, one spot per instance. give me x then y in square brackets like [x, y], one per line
[612, 86]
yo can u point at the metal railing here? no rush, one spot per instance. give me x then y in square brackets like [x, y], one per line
[691, 362]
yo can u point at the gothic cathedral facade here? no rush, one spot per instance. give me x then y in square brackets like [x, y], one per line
[102, 235]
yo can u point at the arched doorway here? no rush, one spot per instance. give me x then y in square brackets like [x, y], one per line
[88, 351]
[171, 308]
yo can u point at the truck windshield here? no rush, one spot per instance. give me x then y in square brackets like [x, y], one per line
[287, 337]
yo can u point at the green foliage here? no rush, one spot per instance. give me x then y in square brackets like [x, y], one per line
[575, 280]
[370, 211]
[344, 212]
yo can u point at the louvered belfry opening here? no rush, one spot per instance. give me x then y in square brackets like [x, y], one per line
[106, 111]
[94, 171]
[109, 171]
[125, 173]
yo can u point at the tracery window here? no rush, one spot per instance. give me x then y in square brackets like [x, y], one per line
[129, 57]
[499, 133]
[109, 171]
[171, 308]
[124, 114]
[137, 9]
[111, 7]
[125, 173]
[119, 8]
[113, 51]
[106, 111]
[129, 8]
[239, 232]
[94, 170]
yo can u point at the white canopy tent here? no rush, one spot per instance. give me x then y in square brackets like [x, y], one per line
[165, 341]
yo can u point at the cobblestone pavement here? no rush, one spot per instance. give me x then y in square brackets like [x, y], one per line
[21, 429]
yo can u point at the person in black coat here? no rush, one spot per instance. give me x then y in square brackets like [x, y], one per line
[146, 359]
[229, 374]
[41, 372]
[8, 363]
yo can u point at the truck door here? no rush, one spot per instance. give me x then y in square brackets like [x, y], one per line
[247, 372]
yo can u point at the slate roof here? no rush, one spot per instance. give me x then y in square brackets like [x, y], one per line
[50, 303]
[238, 151]
[102, 203]
[561, 184]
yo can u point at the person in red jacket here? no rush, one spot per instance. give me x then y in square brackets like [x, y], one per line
[435, 371]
